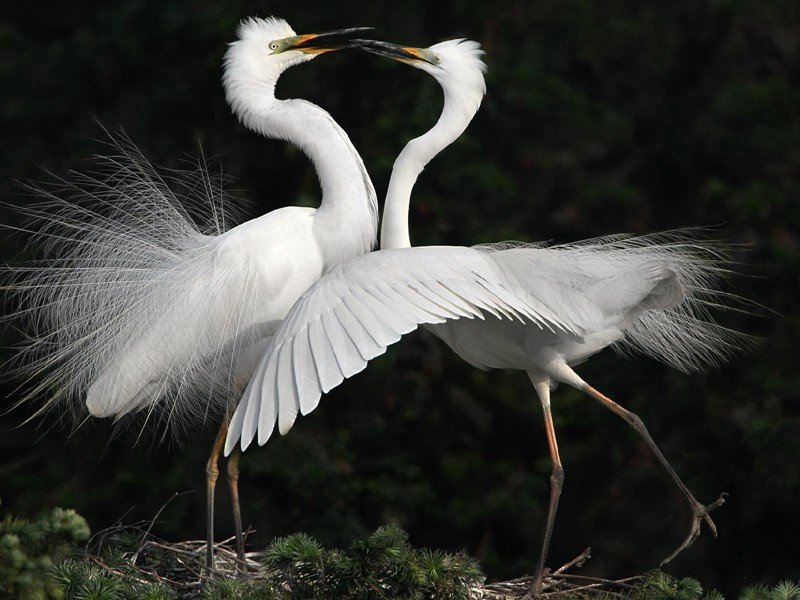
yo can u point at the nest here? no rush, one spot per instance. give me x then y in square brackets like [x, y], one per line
[181, 566]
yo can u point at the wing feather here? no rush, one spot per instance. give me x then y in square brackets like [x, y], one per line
[503, 302]
[358, 309]
[450, 299]
[442, 308]
[250, 408]
[285, 385]
[394, 295]
[308, 387]
[364, 343]
[235, 426]
[344, 349]
[411, 293]
[324, 358]
[267, 409]
[392, 308]
[474, 291]
[378, 330]
[390, 317]
[466, 292]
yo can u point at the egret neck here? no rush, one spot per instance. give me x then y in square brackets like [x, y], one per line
[458, 111]
[347, 220]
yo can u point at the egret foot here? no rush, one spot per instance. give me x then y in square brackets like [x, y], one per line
[699, 510]
[700, 514]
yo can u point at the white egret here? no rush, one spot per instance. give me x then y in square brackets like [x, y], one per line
[140, 310]
[529, 307]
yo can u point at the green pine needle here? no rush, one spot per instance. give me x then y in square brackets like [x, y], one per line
[39, 560]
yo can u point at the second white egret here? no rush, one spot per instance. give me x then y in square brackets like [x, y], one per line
[519, 306]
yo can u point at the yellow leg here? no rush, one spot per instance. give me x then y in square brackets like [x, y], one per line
[212, 472]
[233, 482]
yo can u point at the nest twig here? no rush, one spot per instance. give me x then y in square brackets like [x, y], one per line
[556, 584]
[176, 564]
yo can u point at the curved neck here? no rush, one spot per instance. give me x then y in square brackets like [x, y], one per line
[349, 207]
[456, 115]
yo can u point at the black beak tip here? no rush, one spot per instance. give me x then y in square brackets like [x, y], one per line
[393, 51]
[339, 39]
[374, 44]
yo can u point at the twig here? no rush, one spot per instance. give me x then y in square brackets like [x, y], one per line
[104, 532]
[577, 561]
[152, 522]
[599, 580]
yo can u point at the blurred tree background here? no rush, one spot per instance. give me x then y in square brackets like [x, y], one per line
[601, 117]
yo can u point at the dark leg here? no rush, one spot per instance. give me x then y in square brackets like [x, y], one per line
[542, 388]
[233, 482]
[700, 511]
[212, 472]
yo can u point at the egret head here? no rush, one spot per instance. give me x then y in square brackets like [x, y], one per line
[267, 47]
[456, 64]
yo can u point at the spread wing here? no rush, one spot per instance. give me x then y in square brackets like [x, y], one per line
[357, 310]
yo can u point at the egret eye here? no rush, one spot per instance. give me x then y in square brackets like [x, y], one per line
[437, 58]
[273, 46]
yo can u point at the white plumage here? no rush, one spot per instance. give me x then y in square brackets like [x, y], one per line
[527, 307]
[530, 307]
[359, 309]
[539, 308]
[135, 303]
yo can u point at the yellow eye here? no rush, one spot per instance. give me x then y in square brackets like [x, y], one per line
[273, 46]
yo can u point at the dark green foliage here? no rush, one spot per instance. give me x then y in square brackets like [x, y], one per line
[657, 585]
[38, 561]
[382, 566]
[660, 586]
[234, 588]
[785, 590]
[29, 548]
[85, 579]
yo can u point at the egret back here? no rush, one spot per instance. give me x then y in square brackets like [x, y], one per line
[657, 289]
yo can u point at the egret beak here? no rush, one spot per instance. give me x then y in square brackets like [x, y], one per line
[406, 54]
[317, 43]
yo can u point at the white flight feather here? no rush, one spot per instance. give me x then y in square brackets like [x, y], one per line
[373, 280]
[540, 308]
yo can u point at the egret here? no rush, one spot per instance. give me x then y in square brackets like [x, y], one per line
[140, 310]
[505, 306]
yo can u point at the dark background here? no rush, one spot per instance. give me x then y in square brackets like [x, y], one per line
[601, 117]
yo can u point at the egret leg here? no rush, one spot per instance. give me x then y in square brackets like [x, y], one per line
[233, 482]
[542, 387]
[700, 511]
[212, 472]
